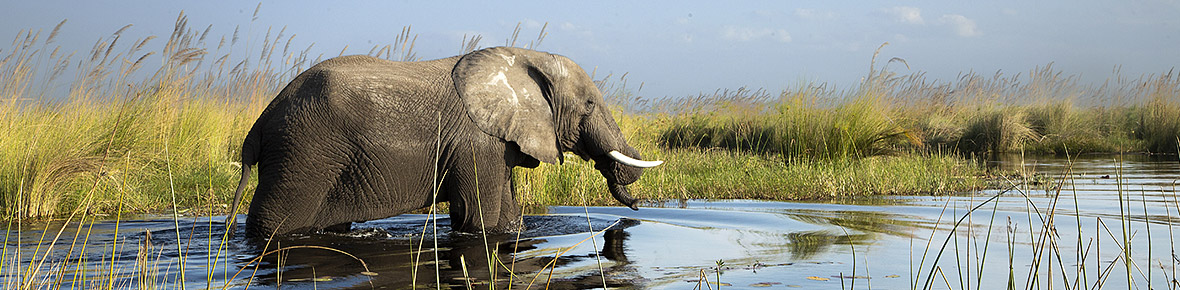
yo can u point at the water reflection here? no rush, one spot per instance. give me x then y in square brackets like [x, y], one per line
[806, 245]
[397, 251]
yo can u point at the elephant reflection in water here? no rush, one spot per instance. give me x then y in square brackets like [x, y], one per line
[394, 261]
[613, 246]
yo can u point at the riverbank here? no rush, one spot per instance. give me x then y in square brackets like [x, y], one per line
[717, 173]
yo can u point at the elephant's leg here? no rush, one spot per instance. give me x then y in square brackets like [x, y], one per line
[287, 200]
[510, 213]
[280, 213]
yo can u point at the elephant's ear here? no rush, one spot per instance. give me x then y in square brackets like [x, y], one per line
[505, 94]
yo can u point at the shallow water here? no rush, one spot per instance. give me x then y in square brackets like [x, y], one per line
[879, 243]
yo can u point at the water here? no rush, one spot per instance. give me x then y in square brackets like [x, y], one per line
[882, 243]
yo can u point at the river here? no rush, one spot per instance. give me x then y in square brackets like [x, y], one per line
[1066, 231]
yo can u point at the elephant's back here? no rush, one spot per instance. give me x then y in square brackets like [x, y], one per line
[362, 100]
[360, 87]
[363, 69]
[382, 97]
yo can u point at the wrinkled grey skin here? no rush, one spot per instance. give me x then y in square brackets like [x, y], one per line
[354, 138]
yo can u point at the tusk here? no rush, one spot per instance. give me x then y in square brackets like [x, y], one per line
[626, 160]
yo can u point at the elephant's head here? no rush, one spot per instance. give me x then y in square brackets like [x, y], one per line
[546, 105]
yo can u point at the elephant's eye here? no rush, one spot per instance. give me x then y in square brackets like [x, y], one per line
[590, 107]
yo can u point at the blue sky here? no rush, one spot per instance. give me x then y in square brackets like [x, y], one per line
[680, 48]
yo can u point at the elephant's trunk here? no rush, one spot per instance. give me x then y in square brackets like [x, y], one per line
[618, 175]
[618, 162]
[621, 194]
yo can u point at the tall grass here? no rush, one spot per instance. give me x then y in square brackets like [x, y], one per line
[201, 99]
[811, 123]
[200, 109]
[54, 144]
[1159, 121]
[1044, 113]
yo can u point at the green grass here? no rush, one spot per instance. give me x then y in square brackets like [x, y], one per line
[720, 173]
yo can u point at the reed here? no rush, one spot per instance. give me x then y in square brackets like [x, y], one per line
[1051, 264]
[1159, 123]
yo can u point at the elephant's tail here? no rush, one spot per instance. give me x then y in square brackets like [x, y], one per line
[250, 149]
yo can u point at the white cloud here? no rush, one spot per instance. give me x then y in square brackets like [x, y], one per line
[962, 25]
[813, 14]
[752, 34]
[531, 24]
[905, 14]
[574, 29]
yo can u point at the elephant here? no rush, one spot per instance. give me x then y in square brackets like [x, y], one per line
[358, 138]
